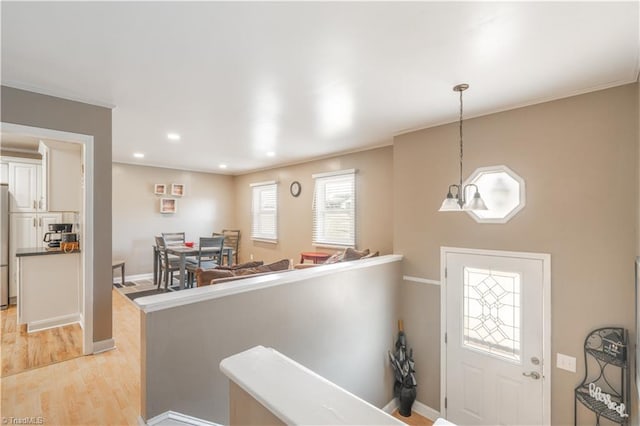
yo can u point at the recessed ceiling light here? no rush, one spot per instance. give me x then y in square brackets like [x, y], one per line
[223, 166]
[138, 155]
[173, 136]
[271, 154]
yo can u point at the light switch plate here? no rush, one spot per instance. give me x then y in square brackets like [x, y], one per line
[566, 362]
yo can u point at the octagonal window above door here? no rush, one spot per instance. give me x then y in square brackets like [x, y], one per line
[502, 190]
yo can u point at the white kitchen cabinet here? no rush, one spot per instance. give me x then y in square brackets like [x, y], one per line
[49, 289]
[26, 189]
[27, 231]
[62, 175]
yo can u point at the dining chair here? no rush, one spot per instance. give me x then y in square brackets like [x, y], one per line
[174, 238]
[167, 265]
[206, 259]
[232, 239]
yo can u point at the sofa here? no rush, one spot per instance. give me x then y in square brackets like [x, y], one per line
[221, 274]
[347, 255]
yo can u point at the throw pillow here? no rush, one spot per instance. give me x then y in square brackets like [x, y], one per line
[370, 255]
[204, 277]
[280, 265]
[351, 254]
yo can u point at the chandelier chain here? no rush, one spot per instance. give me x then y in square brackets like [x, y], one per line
[461, 148]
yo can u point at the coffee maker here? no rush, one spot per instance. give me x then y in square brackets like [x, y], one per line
[59, 232]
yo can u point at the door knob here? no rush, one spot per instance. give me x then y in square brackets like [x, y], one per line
[534, 375]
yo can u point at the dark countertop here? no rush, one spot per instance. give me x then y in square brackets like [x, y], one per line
[39, 251]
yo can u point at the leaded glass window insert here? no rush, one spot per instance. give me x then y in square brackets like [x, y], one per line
[491, 312]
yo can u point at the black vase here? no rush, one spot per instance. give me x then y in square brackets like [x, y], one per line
[406, 398]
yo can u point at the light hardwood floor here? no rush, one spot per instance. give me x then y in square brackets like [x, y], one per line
[23, 351]
[101, 389]
[414, 419]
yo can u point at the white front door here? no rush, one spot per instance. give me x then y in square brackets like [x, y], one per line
[493, 312]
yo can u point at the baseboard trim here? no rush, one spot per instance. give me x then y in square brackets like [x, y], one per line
[173, 418]
[420, 280]
[52, 323]
[103, 346]
[418, 407]
[118, 278]
[391, 406]
[425, 411]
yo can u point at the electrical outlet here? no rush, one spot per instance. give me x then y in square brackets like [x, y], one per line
[566, 362]
[251, 257]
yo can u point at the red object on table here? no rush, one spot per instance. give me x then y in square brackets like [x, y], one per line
[189, 244]
[315, 256]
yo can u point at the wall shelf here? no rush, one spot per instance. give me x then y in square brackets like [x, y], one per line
[606, 361]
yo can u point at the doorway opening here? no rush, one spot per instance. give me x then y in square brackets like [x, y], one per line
[85, 218]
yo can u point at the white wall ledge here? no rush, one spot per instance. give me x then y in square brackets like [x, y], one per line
[297, 395]
[185, 297]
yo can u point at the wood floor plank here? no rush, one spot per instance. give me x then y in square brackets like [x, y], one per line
[101, 389]
[414, 419]
[21, 351]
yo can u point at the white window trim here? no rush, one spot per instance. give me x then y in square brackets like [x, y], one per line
[496, 169]
[263, 239]
[355, 213]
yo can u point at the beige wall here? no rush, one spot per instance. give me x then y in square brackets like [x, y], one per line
[207, 206]
[374, 204]
[36, 110]
[578, 157]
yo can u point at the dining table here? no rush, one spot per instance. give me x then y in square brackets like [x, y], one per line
[182, 251]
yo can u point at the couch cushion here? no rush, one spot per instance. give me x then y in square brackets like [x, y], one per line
[370, 255]
[204, 277]
[251, 264]
[280, 265]
[352, 254]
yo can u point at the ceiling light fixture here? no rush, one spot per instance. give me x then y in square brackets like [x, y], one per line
[138, 155]
[173, 136]
[223, 166]
[457, 202]
[271, 154]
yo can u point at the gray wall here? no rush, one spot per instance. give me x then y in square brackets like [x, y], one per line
[578, 157]
[373, 204]
[36, 110]
[339, 325]
[207, 206]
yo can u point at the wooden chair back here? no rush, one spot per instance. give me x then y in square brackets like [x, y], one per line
[232, 239]
[208, 242]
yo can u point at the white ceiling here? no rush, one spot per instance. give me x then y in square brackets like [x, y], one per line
[305, 80]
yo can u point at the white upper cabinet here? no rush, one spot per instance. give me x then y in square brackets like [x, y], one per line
[4, 172]
[62, 175]
[25, 187]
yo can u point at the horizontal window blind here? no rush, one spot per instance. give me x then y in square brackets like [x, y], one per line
[334, 209]
[264, 211]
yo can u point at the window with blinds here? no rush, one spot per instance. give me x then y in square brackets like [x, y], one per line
[334, 209]
[264, 211]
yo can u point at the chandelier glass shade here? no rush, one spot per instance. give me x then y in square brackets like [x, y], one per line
[458, 198]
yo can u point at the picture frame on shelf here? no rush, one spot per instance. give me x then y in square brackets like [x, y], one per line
[168, 205]
[160, 189]
[177, 189]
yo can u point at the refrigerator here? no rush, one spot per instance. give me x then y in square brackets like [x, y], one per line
[4, 246]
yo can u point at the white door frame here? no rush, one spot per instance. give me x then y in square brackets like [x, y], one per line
[546, 319]
[87, 220]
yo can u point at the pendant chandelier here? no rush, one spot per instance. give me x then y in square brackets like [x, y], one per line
[456, 199]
